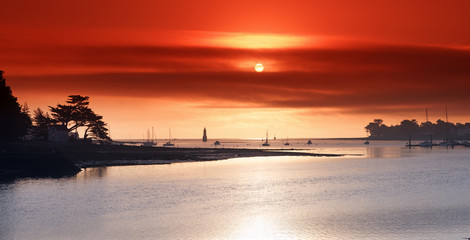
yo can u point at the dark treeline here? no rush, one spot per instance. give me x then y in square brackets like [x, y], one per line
[20, 157]
[440, 130]
[16, 122]
[73, 115]
[14, 118]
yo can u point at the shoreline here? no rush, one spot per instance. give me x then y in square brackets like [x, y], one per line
[44, 159]
[183, 155]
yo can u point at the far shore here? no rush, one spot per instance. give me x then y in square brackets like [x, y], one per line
[44, 159]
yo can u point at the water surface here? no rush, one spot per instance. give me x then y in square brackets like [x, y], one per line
[390, 192]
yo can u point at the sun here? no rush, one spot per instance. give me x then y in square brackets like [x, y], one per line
[259, 67]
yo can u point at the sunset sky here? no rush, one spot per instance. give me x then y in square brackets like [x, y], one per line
[330, 67]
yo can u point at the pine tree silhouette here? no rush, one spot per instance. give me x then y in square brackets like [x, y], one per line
[14, 123]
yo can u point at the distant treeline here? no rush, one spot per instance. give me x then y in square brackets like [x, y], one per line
[424, 131]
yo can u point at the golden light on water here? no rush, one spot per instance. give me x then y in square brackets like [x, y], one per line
[258, 227]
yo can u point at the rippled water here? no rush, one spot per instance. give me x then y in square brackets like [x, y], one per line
[389, 192]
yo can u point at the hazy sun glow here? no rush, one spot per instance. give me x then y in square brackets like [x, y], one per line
[246, 40]
[259, 67]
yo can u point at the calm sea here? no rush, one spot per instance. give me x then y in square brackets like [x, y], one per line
[386, 192]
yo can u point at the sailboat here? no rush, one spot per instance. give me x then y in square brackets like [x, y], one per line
[150, 142]
[169, 144]
[426, 143]
[447, 142]
[266, 144]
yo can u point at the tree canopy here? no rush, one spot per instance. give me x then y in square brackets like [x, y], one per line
[76, 113]
[14, 119]
[42, 123]
[412, 129]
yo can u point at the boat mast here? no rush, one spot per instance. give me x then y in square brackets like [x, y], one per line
[169, 133]
[153, 134]
[447, 120]
[447, 127]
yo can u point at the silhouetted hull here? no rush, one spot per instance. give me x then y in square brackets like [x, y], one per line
[148, 144]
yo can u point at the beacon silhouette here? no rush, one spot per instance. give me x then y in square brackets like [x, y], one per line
[204, 135]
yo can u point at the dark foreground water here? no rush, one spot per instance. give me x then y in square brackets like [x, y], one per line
[388, 193]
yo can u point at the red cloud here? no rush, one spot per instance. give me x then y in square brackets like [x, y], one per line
[360, 79]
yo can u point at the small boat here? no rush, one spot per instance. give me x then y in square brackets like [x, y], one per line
[444, 143]
[216, 143]
[287, 142]
[266, 144]
[169, 143]
[367, 142]
[425, 144]
[309, 142]
[148, 144]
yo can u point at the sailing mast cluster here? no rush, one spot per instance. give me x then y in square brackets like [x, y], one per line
[152, 140]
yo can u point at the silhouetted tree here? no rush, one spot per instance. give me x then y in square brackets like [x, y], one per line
[409, 128]
[426, 130]
[14, 120]
[95, 125]
[99, 130]
[374, 128]
[42, 122]
[76, 114]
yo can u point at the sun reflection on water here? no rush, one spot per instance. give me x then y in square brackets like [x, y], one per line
[262, 226]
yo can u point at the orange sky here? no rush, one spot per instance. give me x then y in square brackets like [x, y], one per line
[330, 66]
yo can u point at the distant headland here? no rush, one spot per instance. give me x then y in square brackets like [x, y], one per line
[412, 130]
